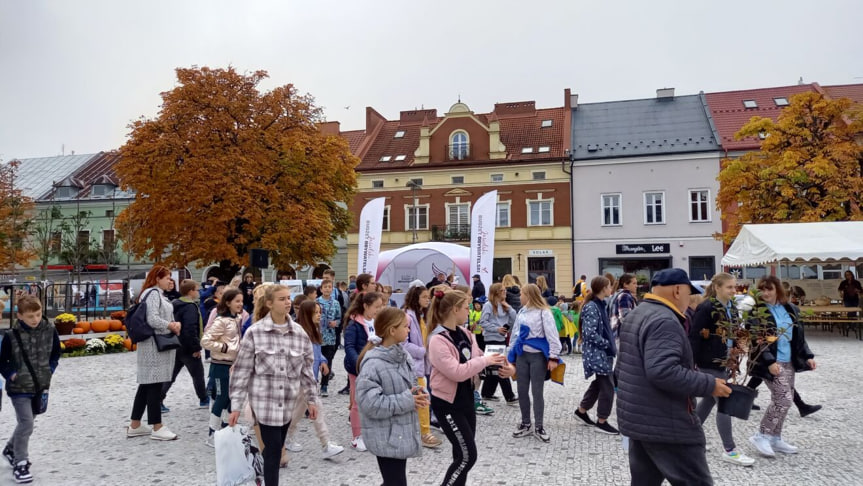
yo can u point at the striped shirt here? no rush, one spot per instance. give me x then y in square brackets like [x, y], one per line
[273, 368]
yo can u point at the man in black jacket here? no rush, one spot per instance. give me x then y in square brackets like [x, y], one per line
[656, 382]
[478, 289]
[188, 314]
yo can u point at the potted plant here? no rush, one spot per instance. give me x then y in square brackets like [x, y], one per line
[65, 323]
[748, 337]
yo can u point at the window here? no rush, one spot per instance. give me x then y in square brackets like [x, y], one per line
[386, 158]
[699, 207]
[527, 150]
[377, 184]
[502, 215]
[101, 190]
[399, 158]
[417, 216]
[108, 240]
[538, 176]
[539, 213]
[83, 240]
[653, 210]
[458, 179]
[781, 101]
[65, 192]
[611, 209]
[56, 240]
[829, 272]
[544, 149]
[458, 215]
[399, 134]
[418, 181]
[497, 177]
[109, 213]
[546, 123]
[386, 223]
[459, 146]
[702, 267]
[750, 104]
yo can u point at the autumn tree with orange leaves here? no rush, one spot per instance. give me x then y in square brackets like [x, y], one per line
[225, 168]
[15, 219]
[809, 168]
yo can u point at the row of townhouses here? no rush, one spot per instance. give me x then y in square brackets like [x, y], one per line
[583, 188]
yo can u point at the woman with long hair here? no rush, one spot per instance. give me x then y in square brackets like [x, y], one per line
[709, 350]
[309, 318]
[598, 352]
[624, 300]
[416, 305]
[777, 363]
[513, 291]
[535, 351]
[496, 320]
[154, 367]
[222, 338]
[361, 321]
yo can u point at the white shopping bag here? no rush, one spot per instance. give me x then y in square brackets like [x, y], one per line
[232, 467]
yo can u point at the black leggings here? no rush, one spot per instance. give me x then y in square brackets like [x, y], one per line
[329, 352]
[273, 438]
[148, 396]
[393, 471]
[459, 426]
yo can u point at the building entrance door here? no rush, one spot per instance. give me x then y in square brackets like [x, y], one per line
[541, 266]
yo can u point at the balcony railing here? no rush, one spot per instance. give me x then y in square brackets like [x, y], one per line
[460, 151]
[450, 232]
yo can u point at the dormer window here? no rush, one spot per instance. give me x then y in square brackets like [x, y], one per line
[102, 190]
[65, 192]
[459, 146]
[750, 104]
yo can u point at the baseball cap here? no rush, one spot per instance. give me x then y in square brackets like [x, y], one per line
[673, 276]
[481, 299]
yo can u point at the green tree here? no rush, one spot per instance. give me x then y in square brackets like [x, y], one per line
[225, 168]
[809, 168]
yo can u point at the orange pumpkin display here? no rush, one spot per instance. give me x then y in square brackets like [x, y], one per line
[123, 328]
[115, 325]
[84, 325]
[127, 343]
[78, 330]
[100, 325]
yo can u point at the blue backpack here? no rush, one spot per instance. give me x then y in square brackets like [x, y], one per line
[136, 321]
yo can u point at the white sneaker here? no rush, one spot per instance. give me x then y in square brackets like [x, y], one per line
[331, 450]
[211, 441]
[735, 457]
[358, 444]
[780, 445]
[163, 434]
[294, 446]
[140, 431]
[762, 443]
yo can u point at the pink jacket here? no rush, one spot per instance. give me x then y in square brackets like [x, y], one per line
[446, 371]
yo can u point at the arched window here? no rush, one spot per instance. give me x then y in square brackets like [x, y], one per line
[459, 148]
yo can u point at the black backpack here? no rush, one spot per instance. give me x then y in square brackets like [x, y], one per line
[136, 321]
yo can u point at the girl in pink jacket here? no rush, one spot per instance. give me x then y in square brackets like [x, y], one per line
[455, 359]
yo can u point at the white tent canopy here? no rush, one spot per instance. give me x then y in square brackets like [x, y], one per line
[759, 244]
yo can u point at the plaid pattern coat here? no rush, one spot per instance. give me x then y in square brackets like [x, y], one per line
[274, 369]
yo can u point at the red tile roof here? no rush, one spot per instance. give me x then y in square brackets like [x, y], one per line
[517, 130]
[99, 169]
[729, 114]
[854, 92]
[354, 138]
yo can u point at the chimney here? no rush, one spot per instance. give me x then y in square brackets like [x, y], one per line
[330, 128]
[573, 100]
[665, 94]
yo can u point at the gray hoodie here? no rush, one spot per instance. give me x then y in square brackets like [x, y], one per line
[390, 424]
[490, 322]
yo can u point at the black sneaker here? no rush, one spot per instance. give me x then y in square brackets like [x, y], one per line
[492, 398]
[804, 411]
[755, 407]
[523, 430]
[21, 473]
[512, 402]
[346, 390]
[584, 417]
[541, 434]
[606, 428]
[9, 455]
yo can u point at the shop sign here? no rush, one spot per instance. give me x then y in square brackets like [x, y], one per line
[646, 248]
[540, 253]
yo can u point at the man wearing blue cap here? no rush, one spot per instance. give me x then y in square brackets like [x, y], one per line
[657, 381]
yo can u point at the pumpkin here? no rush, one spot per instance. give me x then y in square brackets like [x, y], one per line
[127, 343]
[123, 328]
[84, 325]
[100, 325]
[115, 325]
[78, 330]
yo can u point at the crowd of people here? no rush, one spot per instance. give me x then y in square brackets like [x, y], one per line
[438, 360]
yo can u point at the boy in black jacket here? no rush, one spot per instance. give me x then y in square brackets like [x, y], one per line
[188, 314]
[41, 346]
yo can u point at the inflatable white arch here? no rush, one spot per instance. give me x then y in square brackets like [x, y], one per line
[423, 261]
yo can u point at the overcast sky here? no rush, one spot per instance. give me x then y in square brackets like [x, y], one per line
[75, 73]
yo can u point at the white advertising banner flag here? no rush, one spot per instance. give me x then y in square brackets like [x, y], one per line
[483, 220]
[369, 244]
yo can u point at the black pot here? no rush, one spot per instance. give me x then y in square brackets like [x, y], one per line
[739, 403]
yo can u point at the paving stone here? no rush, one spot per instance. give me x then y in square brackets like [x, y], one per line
[81, 439]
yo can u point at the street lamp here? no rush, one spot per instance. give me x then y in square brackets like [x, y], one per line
[414, 188]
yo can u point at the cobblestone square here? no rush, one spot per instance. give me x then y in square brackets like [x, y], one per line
[81, 440]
